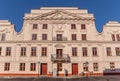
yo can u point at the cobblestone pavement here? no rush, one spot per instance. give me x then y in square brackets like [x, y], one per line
[102, 78]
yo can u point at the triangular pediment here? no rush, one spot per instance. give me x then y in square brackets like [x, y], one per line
[58, 15]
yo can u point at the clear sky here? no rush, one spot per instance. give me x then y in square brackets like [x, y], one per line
[103, 10]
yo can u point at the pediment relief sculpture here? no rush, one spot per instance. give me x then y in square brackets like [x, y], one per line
[59, 15]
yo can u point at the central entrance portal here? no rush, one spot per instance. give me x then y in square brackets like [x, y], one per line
[59, 55]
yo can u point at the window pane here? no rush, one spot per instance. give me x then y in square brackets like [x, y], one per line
[8, 51]
[33, 67]
[3, 37]
[44, 36]
[33, 51]
[44, 26]
[83, 26]
[73, 26]
[74, 51]
[112, 65]
[118, 37]
[44, 51]
[35, 26]
[7, 66]
[74, 37]
[117, 51]
[109, 53]
[22, 66]
[23, 51]
[94, 51]
[113, 37]
[95, 66]
[84, 50]
[34, 36]
[84, 37]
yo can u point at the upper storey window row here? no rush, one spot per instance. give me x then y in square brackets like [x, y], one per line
[74, 37]
[44, 26]
[44, 36]
[73, 26]
[115, 37]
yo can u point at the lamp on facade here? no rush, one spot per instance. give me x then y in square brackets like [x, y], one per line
[38, 68]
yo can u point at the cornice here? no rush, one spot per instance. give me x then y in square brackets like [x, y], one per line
[52, 16]
[47, 42]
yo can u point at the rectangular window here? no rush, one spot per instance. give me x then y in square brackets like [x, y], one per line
[95, 66]
[117, 51]
[22, 66]
[44, 26]
[59, 37]
[118, 37]
[59, 66]
[112, 66]
[109, 52]
[35, 26]
[33, 51]
[73, 26]
[8, 51]
[3, 37]
[0, 51]
[7, 67]
[33, 67]
[83, 26]
[83, 36]
[84, 51]
[44, 36]
[74, 37]
[23, 51]
[113, 37]
[44, 51]
[94, 51]
[85, 67]
[74, 51]
[34, 36]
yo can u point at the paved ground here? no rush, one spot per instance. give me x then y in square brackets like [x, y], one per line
[104, 78]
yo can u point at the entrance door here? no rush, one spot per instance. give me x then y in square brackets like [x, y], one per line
[59, 53]
[74, 69]
[44, 69]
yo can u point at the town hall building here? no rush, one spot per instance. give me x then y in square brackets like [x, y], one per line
[59, 41]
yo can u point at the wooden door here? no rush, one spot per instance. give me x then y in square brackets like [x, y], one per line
[59, 53]
[74, 69]
[44, 69]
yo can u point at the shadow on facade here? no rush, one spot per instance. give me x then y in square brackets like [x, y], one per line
[115, 71]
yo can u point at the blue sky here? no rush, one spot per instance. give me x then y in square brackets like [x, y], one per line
[103, 10]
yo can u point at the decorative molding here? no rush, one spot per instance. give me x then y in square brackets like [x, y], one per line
[59, 46]
[69, 44]
[59, 15]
